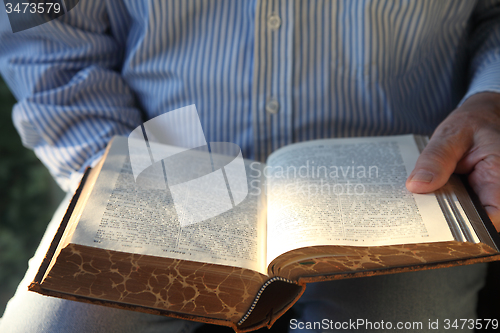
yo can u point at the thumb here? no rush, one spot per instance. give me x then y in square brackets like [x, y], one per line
[437, 162]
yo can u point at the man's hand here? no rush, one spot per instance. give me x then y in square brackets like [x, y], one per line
[466, 142]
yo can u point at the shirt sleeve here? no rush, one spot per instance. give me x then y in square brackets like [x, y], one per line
[484, 48]
[71, 97]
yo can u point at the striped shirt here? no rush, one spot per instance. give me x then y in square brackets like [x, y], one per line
[263, 74]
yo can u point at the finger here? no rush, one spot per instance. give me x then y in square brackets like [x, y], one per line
[486, 143]
[485, 181]
[494, 215]
[439, 159]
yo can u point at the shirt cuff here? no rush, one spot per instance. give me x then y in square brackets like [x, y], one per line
[485, 79]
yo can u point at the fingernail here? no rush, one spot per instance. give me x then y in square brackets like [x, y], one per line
[422, 176]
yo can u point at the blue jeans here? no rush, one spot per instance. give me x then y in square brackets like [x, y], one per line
[423, 297]
[413, 302]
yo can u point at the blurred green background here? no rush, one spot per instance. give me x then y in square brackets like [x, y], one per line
[28, 197]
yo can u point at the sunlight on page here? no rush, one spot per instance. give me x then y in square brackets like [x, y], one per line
[348, 192]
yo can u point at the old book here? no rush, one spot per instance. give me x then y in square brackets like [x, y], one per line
[316, 211]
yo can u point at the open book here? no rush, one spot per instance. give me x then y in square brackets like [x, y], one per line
[316, 211]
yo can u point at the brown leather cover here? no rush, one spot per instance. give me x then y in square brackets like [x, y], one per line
[322, 263]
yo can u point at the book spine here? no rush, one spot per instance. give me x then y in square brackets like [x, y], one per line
[259, 294]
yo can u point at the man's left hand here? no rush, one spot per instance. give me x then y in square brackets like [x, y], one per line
[466, 142]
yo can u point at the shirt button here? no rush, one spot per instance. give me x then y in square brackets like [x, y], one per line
[272, 106]
[274, 22]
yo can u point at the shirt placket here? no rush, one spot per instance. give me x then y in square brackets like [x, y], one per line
[272, 104]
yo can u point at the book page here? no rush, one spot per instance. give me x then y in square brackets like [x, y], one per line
[348, 192]
[139, 216]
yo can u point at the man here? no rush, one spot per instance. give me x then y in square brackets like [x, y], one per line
[264, 74]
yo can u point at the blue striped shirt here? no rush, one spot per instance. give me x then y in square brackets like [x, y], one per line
[263, 74]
